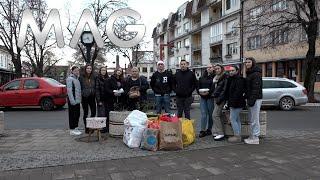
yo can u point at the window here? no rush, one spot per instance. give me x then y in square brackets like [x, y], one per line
[230, 4]
[186, 42]
[12, 86]
[151, 69]
[179, 31]
[31, 84]
[144, 69]
[216, 33]
[279, 36]
[179, 44]
[254, 42]
[1, 62]
[277, 84]
[279, 5]
[187, 57]
[231, 26]
[186, 26]
[52, 82]
[303, 35]
[232, 48]
[179, 58]
[285, 84]
[255, 13]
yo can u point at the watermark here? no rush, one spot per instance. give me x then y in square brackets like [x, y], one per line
[85, 19]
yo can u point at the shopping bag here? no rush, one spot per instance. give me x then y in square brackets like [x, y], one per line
[170, 136]
[150, 139]
[153, 124]
[132, 136]
[136, 118]
[188, 132]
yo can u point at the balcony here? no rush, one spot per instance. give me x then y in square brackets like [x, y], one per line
[196, 62]
[231, 34]
[216, 39]
[216, 59]
[196, 26]
[196, 47]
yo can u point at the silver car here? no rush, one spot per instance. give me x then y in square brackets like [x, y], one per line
[283, 92]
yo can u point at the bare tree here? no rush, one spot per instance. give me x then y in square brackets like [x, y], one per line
[101, 10]
[10, 20]
[291, 15]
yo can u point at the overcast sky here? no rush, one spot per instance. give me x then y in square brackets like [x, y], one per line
[152, 12]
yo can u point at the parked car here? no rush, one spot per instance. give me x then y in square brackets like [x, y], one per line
[45, 92]
[283, 93]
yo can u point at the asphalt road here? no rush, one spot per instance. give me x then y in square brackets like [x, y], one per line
[302, 118]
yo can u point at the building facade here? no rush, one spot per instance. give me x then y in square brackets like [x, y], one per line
[279, 51]
[201, 32]
[145, 62]
[6, 66]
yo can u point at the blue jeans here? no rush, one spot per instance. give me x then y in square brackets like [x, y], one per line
[254, 116]
[235, 120]
[163, 101]
[206, 107]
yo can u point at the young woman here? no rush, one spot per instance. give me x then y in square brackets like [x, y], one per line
[117, 85]
[88, 91]
[205, 89]
[235, 96]
[220, 81]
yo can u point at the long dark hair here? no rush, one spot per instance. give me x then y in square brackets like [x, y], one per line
[121, 77]
[106, 75]
[87, 77]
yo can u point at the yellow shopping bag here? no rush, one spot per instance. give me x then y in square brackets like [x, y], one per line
[188, 132]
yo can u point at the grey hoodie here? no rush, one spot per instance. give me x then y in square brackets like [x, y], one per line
[72, 81]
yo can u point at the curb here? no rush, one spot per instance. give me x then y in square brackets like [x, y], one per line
[311, 105]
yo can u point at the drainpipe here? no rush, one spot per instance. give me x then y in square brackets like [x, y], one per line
[241, 39]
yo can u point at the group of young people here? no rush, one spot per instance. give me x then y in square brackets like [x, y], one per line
[215, 87]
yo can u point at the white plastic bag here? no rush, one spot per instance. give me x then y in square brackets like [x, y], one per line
[132, 136]
[136, 118]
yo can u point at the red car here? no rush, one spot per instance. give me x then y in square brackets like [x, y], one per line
[45, 92]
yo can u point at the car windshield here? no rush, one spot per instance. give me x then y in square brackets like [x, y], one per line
[52, 82]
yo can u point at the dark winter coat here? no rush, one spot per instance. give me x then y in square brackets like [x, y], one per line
[184, 83]
[206, 82]
[235, 93]
[220, 90]
[254, 85]
[141, 82]
[161, 83]
[101, 93]
[88, 85]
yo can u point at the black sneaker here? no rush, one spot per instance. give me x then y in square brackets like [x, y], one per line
[209, 132]
[202, 134]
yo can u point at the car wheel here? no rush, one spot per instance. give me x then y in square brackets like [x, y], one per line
[286, 103]
[47, 104]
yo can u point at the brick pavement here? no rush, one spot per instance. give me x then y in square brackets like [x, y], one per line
[275, 158]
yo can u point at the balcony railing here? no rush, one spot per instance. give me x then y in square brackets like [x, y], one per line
[196, 62]
[216, 59]
[196, 47]
[216, 39]
[196, 26]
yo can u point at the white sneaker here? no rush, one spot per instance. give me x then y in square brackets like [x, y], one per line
[214, 134]
[252, 140]
[218, 137]
[75, 132]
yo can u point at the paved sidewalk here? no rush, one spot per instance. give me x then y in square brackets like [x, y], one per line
[275, 158]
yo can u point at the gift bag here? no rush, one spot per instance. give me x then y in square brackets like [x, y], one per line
[188, 132]
[170, 136]
[132, 136]
[150, 139]
[136, 118]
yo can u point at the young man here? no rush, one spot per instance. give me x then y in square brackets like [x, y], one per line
[74, 100]
[161, 84]
[184, 84]
[254, 98]
[235, 96]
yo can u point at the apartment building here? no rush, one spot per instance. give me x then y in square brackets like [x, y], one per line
[6, 66]
[201, 32]
[279, 51]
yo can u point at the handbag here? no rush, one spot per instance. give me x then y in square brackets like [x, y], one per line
[134, 91]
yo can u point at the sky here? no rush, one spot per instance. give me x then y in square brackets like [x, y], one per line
[152, 12]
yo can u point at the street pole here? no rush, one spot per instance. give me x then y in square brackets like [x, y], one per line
[241, 40]
[88, 56]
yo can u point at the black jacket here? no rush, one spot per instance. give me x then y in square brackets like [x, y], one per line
[254, 85]
[88, 85]
[140, 82]
[206, 82]
[235, 93]
[184, 83]
[161, 83]
[101, 94]
[220, 90]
